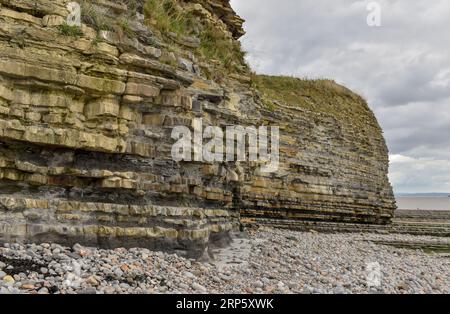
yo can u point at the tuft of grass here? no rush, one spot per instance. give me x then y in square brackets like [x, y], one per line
[167, 16]
[125, 28]
[133, 5]
[70, 30]
[215, 45]
[97, 40]
[270, 105]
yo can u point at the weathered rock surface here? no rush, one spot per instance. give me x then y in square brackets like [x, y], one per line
[334, 160]
[85, 137]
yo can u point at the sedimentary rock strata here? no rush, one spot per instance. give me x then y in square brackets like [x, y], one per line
[334, 159]
[86, 115]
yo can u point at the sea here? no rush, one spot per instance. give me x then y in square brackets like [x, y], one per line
[423, 202]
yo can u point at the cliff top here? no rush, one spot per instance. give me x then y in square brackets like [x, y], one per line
[320, 95]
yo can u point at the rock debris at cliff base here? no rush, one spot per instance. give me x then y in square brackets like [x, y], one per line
[266, 261]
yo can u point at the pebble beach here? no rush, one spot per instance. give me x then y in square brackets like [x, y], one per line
[261, 261]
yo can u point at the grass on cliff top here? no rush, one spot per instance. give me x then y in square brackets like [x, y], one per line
[213, 45]
[320, 95]
[169, 16]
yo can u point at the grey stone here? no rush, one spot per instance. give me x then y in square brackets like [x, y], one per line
[258, 284]
[189, 275]
[118, 273]
[198, 287]
[339, 290]
[87, 291]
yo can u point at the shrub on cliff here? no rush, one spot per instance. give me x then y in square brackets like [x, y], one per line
[214, 45]
[70, 30]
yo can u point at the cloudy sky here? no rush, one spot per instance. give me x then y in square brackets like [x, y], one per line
[401, 67]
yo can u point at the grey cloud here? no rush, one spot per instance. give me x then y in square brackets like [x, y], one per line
[402, 68]
[419, 174]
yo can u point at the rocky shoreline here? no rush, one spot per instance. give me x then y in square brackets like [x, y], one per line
[261, 261]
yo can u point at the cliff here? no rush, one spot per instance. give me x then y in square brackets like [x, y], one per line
[86, 116]
[334, 160]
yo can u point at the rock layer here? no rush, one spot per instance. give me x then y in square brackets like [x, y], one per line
[86, 117]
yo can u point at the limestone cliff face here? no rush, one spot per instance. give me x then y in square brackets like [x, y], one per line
[334, 160]
[86, 116]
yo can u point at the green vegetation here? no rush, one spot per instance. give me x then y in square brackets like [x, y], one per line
[319, 95]
[429, 249]
[70, 30]
[97, 40]
[125, 28]
[214, 45]
[169, 17]
[270, 105]
[133, 5]
[438, 250]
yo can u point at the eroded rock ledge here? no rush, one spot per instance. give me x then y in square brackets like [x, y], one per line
[85, 146]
